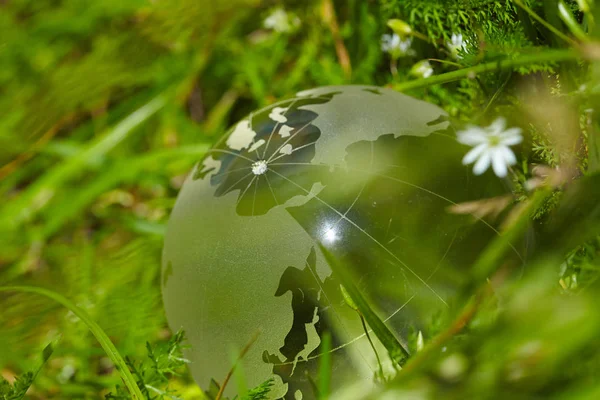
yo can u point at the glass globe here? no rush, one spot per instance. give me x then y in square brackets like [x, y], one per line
[366, 171]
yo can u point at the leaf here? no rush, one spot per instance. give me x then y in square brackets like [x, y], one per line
[96, 330]
[396, 351]
[261, 392]
[22, 383]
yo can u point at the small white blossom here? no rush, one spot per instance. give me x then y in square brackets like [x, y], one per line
[281, 21]
[422, 69]
[455, 44]
[277, 114]
[396, 46]
[491, 145]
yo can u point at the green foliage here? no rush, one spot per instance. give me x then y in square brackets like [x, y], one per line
[153, 374]
[21, 385]
[106, 105]
[261, 392]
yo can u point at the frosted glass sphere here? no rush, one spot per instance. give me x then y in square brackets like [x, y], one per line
[366, 171]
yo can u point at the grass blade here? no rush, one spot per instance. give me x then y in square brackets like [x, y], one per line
[96, 330]
[36, 196]
[396, 351]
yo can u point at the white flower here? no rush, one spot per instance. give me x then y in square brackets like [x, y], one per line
[490, 146]
[396, 46]
[422, 69]
[280, 21]
[455, 44]
[277, 114]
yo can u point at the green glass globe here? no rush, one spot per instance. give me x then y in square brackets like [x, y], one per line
[367, 172]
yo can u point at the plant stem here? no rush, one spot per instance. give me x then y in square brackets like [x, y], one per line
[546, 56]
[396, 351]
[545, 23]
[232, 370]
[325, 368]
[96, 330]
[488, 261]
[485, 265]
[456, 327]
[330, 18]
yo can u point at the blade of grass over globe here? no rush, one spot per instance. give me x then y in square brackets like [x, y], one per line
[489, 260]
[396, 351]
[325, 367]
[97, 331]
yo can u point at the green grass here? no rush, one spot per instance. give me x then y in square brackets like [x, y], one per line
[107, 106]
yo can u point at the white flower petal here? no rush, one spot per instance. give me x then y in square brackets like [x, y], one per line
[508, 155]
[499, 163]
[482, 164]
[512, 136]
[511, 141]
[472, 136]
[497, 126]
[511, 132]
[474, 154]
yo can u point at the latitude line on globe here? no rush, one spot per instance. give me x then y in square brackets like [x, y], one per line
[416, 187]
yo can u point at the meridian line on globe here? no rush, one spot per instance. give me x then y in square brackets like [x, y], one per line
[254, 198]
[276, 125]
[318, 281]
[293, 151]
[359, 193]
[241, 179]
[230, 153]
[247, 187]
[271, 188]
[439, 264]
[369, 236]
[287, 141]
[230, 171]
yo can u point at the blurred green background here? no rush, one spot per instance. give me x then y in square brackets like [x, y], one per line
[106, 105]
